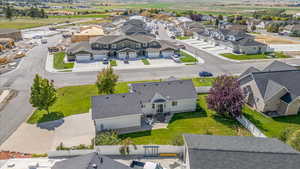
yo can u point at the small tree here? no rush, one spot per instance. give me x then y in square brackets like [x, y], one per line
[8, 13]
[226, 97]
[125, 148]
[106, 81]
[43, 93]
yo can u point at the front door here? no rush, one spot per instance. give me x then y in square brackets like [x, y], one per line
[160, 108]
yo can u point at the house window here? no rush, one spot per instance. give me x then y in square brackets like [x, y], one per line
[144, 44]
[153, 106]
[114, 46]
[174, 103]
[138, 45]
[143, 106]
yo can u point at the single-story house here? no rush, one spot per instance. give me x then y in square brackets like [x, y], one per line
[89, 161]
[120, 47]
[118, 111]
[237, 152]
[275, 90]
[14, 34]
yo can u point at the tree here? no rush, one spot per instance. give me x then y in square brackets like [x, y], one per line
[220, 17]
[106, 81]
[43, 93]
[226, 97]
[8, 13]
[125, 148]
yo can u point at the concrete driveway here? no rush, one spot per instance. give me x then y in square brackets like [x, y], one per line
[41, 138]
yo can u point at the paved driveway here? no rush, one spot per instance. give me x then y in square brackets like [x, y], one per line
[41, 138]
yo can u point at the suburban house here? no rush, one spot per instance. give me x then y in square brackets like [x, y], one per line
[14, 34]
[135, 26]
[239, 41]
[274, 91]
[120, 47]
[150, 99]
[89, 161]
[237, 152]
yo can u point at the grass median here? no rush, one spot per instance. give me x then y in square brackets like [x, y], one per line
[275, 55]
[187, 58]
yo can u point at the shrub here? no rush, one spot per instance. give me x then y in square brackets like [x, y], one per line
[113, 63]
[294, 140]
[107, 138]
[177, 141]
[3, 60]
[285, 134]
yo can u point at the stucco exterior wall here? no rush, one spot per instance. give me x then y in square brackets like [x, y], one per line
[118, 122]
[274, 102]
[258, 99]
[293, 107]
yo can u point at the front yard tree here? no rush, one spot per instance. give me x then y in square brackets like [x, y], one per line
[106, 81]
[43, 93]
[125, 148]
[226, 97]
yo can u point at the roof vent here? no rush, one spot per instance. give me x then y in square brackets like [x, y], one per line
[94, 165]
[101, 160]
[107, 97]
[123, 96]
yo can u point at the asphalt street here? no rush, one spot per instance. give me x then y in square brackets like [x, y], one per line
[19, 109]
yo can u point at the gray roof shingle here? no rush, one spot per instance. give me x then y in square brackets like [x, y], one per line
[87, 162]
[235, 152]
[277, 66]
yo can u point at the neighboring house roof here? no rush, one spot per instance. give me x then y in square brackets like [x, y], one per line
[171, 90]
[105, 106]
[89, 161]
[235, 152]
[248, 42]
[273, 78]
[249, 70]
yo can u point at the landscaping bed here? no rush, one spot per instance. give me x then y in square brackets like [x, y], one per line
[113, 63]
[183, 37]
[77, 99]
[58, 61]
[187, 58]
[203, 121]
[146, 61]
[256, 56]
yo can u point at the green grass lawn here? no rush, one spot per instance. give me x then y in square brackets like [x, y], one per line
[200, 122]
[187, 58]
[257, 56]
[272, 127]
[58, 61]
[146, 61]
[113, 63]
[206, 81]
[77, 99]
[183, 37]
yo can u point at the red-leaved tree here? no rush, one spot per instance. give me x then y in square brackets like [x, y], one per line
[226, 97]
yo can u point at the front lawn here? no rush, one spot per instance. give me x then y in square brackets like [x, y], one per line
[183, 37]
[146, 61]
[206, 81]
[187, 58]
[77, 99]
[256, 56]
[203, 121]
[272, 127]
[58, 61]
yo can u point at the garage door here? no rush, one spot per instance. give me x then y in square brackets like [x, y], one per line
[118, 122]
[99, 57]
[168, 53]
[153, 54]
[83, 58]
[132, 55]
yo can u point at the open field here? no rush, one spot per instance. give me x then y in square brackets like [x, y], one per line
[82, 16]
[77, 99]
[26, 23]
[203, 121]
[267, 39]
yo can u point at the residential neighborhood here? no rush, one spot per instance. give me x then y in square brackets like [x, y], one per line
[149, 85]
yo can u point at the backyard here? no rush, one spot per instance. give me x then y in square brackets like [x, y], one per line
[256, 56]
[272, 127]
[58, 61]
[203, 121]
[77, 99]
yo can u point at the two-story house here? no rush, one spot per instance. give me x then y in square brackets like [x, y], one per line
[120, 47]
[274, 91]
[118, 111]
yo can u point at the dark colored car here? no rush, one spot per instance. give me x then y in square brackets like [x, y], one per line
[126, 61]
[205, 74]
[105, 61]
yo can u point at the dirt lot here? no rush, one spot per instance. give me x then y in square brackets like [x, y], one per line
[274, 40]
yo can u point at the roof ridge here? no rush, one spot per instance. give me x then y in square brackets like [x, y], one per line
[275, 71]
[245, 151]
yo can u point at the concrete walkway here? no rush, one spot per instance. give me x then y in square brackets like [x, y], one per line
[44, 137]
[250, 126]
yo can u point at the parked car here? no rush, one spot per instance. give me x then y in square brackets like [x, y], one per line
[105, 61]
[176, 58]
[126, 61]
[147, 165]
[37, 37]
[44, 41]
[205, 74]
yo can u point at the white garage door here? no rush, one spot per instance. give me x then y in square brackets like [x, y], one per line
[122, 55]
[132, 55]
[99, 57]
[168, 53]
[153, 54]
[118, 122]
[83, 57]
